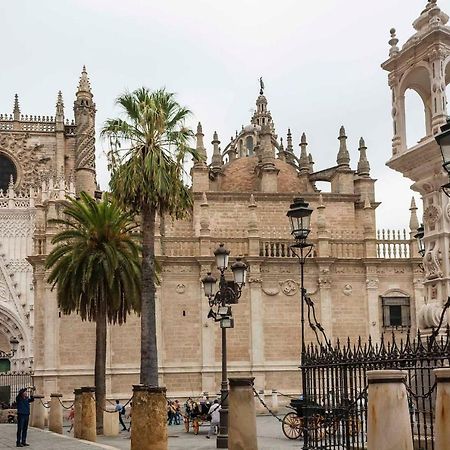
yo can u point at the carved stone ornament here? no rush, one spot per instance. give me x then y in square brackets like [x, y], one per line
[348, 289]
[429, 315]
[289, 287]
[432, 214]
[372, 283]
[432, 263]
[271, 291]
[180, 288]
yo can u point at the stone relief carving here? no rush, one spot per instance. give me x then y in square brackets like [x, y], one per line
[180, 288]
[15, 225]
[432, 262]
[32, 159]
[348, 289]
[432, 214]
[19, 265]
[289, 287]
[372, 283]
[270, 291]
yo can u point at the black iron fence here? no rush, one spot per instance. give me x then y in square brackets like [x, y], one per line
[10, 384]
[337, 387]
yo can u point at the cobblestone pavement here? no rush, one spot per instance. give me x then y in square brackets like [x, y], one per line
[43, 440]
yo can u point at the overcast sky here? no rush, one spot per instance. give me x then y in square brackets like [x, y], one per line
[320, 61]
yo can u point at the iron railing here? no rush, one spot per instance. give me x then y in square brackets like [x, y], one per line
[336, 383]
[10, 384]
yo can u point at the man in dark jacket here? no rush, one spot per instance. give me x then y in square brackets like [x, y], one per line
[23, 415]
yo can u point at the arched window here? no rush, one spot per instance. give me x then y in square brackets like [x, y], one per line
[249, 145]
[7, 169]
[415, 118]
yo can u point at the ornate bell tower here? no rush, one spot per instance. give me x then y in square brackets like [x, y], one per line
[423, 64]
[84, 110]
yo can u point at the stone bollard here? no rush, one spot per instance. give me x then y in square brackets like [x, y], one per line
[442, 428]
[149, 418]
[110, 423]
[241, 415]
[274, 402]
[55, 417]
[389, 425]
[77, 406]
[38, 416]
[88, 422]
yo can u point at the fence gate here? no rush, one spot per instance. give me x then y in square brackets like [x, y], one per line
[337, 387]
[11, 383]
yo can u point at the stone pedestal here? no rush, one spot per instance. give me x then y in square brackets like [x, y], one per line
[274, 402]
[241, 415]
[88, 422]
[38, 416]
[55, 417]
[389, 425]
[442, 425]
[111, 423]
[77, 406]
[149, 418]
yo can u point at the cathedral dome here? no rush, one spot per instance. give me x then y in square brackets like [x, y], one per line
[250, 128]
[240, 175]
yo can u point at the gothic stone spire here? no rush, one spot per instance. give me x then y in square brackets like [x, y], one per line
[16, 110]
[363, 163]
[343, 157]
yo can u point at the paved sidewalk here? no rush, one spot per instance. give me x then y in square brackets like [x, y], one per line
[270, 437]
[44, 440]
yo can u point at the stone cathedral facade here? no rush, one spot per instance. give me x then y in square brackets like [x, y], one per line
[364, 282]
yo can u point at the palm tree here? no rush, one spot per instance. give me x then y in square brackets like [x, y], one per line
[95, 266]
[147, 178]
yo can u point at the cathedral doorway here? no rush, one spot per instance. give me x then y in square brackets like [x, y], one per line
[7, 170]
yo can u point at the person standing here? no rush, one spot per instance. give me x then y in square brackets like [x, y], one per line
[23, 416]
[215, 418]
[121, 409]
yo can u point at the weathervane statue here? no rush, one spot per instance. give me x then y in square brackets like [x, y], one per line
[261, 84]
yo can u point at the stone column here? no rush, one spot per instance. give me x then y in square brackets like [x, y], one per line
[55, 418]
[88, 422]
[149, 418]
[442, 428]
[241, 415]
[37, 418]
[77, 404]
[389, 425]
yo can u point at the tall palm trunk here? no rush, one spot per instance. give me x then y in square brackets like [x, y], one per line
[100, 368]
[149, 353]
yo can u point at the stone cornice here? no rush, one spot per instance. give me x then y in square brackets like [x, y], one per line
[277, 196]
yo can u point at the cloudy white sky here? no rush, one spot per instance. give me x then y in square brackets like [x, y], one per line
[320, 61]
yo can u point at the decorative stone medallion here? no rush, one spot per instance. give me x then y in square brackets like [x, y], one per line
[289, 287]
[180, 288]
[432, 214]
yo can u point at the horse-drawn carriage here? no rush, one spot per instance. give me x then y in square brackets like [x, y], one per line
[321, 421]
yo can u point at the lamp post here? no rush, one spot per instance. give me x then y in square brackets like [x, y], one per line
[443, 139]
[220, 303]
[300, 217]
[14, 345]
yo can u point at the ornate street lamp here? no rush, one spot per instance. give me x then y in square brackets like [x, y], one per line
[300, 217]
[443, 139]
[420, 241]
[220, 303]
[14, 346]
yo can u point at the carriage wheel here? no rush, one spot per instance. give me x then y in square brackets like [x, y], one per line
[196, 426]
[292, 426]
[186, 424]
